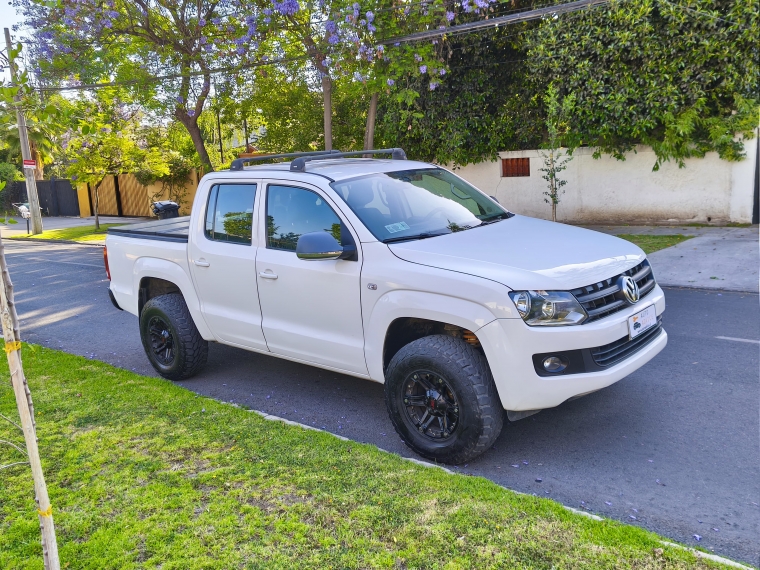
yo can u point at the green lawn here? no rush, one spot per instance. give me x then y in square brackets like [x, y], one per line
[80, 233]
[145, 474]
[653, 243]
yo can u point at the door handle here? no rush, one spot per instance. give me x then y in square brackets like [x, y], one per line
[201, 262]
[268, 274]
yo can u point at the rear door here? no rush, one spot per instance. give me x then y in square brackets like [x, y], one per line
[223, 264]
[311, 309]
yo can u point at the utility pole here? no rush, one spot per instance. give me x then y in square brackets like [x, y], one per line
[29, 166]
[12, 340]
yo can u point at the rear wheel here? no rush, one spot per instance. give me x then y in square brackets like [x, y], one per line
[442, 400]
[171, 341]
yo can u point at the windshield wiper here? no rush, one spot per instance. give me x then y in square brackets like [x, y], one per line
[498, 218]
[423, 235]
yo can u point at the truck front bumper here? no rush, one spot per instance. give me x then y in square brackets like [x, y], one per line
[510, 345]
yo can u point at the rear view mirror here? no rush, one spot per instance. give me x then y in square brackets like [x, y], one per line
[318, 245]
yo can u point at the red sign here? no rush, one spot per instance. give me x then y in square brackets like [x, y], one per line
[30, 164]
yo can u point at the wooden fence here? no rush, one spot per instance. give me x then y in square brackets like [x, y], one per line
[123, 195]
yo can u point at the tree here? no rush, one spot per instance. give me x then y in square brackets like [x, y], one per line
[558, 114]
[135, 42]
[486, 104]
[107, 143]
[678, 76]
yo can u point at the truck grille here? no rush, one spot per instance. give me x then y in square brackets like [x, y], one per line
[621, 349]
[602, 298]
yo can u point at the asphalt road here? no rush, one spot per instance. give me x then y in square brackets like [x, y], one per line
[672, 448]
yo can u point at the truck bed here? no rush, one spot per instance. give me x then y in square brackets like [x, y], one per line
[173, 229]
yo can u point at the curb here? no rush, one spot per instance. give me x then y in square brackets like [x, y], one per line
[694, 551]
[707, 289]
[66, 241]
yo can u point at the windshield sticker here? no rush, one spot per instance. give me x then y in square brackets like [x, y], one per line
[393, 228]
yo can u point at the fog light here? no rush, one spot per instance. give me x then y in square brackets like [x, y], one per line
[554, 364]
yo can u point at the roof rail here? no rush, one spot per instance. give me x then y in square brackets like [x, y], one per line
[239, 163]
[299, 164]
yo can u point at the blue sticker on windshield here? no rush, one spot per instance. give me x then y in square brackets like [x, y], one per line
[393, 228]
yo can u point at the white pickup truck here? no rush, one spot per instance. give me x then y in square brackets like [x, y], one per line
[395, 271]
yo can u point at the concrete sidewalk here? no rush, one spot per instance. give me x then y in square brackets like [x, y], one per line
[59, 223]
[715, 258]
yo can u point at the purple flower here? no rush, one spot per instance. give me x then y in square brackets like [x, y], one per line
[191, 113]
[423, 68]
[417, 57]
[433, 85]
[450, 16]
[201, 22]
[287, 7]
[332, 39]
[370, 16]
[203, 40]
[442, 72]
[240, 50]
[390, 82]
[330, 27]
[74, 176]
[217, 21]
[371, 29]
[180, 100]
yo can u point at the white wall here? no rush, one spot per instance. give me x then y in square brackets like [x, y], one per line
[609, 190]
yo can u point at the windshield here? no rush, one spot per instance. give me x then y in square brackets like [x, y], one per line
[411, 204]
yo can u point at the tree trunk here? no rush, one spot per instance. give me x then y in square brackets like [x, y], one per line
[327, 96]
[191, 124]
[25, 407]
[95, 204]
[369, 131]
[39, 171]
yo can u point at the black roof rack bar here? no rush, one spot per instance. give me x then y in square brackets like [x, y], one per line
[299, 164]
[239, 163]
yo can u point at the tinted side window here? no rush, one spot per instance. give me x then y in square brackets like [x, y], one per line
[229, 213]
[292, 212]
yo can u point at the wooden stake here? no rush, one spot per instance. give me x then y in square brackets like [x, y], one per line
[26, 413]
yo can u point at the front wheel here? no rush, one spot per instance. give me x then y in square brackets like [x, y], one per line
[171, 341]
[442, 400]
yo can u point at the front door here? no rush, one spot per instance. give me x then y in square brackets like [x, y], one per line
[311, 309]
[223, 264]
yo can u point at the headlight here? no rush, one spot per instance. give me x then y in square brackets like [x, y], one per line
[548, 308]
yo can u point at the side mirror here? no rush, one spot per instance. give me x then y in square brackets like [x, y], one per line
[318, 245]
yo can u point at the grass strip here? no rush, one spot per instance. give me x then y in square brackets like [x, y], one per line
[652, 243]
[79, 233]
[143, 473]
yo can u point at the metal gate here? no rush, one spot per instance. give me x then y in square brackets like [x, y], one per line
[57, 197]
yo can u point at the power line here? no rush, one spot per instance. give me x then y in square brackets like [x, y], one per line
[459, 29]
[498, 21]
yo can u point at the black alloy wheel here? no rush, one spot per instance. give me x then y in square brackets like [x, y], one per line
[431, 405]
[161, 341]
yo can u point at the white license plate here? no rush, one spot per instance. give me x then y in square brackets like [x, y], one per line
[642, 321]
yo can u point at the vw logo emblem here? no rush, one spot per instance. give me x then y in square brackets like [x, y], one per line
[629, 289]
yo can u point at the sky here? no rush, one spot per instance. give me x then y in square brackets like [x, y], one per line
[8, 18]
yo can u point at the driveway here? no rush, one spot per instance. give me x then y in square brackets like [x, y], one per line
[672, 448]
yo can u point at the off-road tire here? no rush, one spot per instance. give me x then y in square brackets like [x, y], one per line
[467, 373]
[190, 349]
